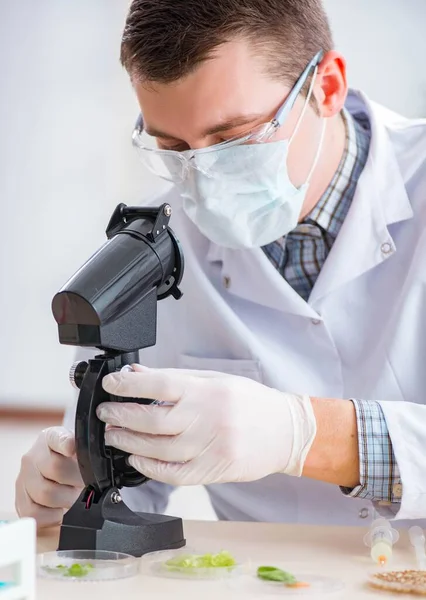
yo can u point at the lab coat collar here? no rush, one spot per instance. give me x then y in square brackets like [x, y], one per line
[380, 200]
[364, 240]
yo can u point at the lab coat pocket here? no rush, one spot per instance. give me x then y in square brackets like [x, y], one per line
[249, 368]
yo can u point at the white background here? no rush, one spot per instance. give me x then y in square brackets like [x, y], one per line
[66, 114]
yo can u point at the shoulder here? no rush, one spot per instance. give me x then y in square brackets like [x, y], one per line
[399, 127]
[397, 141]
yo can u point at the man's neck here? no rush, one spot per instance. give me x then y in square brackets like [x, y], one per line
[331, 155]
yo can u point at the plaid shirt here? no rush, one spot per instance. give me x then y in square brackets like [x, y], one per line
[299, 257]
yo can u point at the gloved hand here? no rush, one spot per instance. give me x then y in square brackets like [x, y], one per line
[49, 480]
[219, 428]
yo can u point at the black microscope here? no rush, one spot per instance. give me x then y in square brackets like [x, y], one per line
[111, 304]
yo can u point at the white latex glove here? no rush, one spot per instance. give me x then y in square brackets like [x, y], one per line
[49, 480]
[219, 428]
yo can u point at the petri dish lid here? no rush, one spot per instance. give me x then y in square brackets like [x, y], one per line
[86, 565]
[189, 563]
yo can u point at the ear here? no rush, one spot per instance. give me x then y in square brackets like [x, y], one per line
[331, 88]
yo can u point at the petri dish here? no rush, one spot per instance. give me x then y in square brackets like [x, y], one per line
[310, 583]
[86, 565]
[316, 584]
[408, 582]
[188, 563]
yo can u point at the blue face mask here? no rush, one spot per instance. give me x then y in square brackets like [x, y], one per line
[250, 200]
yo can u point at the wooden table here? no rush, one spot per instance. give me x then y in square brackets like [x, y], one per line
[328, 551]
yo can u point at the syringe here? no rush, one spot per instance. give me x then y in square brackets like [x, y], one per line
[417, 538]
[381, 539]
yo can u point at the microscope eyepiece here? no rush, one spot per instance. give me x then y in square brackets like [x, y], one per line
[111, 302]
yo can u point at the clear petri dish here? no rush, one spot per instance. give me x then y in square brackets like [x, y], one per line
[86, 565]
[187, 563]
[312, 586]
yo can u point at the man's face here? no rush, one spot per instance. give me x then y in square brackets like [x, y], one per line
[226, 97]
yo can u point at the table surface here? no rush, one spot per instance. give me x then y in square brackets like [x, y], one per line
[336, 552]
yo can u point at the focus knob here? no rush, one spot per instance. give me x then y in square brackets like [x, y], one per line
[77, 372]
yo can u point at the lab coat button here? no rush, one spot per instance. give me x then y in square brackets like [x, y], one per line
[397, 490]
[227, 282]
[316, 321]
[387, 248]
[364, 513]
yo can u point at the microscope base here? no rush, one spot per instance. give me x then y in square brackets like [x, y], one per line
[106, 525]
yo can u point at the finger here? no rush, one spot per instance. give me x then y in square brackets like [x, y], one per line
[164, 385]
[44, 517]
[47, 517]
[60, 440]
[167, 472]
[154, 385]
[142, 418]
[53, 495]
[164, 448]
[62, 470]
[192, 372]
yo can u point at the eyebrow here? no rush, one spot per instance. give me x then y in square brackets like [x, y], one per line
[221, 127]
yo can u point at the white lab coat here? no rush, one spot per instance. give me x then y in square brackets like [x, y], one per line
[361, 335]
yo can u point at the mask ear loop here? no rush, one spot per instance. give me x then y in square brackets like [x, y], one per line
[318, 154]
[323, 129]
[305, 108]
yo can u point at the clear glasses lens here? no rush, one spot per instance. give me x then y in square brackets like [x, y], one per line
[169, 166]
[211, 161]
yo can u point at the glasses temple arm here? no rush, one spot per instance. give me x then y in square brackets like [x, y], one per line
[298, 86]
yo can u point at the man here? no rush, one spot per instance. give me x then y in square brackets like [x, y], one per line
[301, 211]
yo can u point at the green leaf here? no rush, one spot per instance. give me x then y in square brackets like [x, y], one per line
[75, 570]
[275, 574]
[203, 561]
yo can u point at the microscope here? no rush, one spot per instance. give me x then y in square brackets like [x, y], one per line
[110, 304]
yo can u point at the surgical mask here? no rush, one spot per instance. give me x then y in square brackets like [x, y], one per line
[250, 201]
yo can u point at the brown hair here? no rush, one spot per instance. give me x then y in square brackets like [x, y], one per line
[165, 40]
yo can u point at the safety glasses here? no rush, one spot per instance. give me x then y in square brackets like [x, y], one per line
[175, 166]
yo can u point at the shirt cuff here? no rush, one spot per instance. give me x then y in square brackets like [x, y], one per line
[380, 479]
